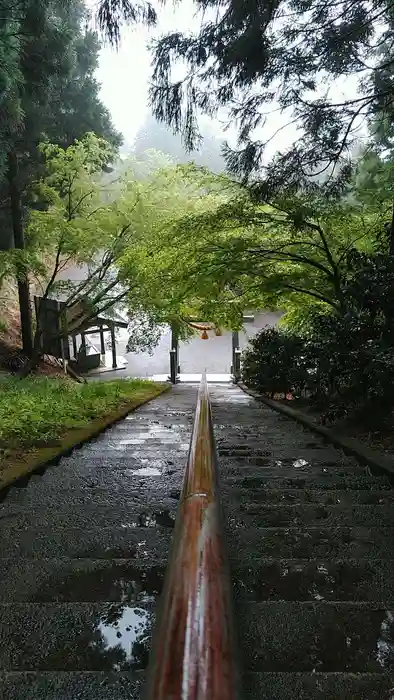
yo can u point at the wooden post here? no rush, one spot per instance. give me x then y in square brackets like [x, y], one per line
[75, 350]
[38, 320]
[102, 343]
[113, 347]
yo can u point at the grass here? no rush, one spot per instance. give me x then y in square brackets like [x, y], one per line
[39, 411]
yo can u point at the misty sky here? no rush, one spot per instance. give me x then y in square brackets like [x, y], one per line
[124, 76]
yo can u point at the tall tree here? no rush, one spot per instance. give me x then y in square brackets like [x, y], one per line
[281, 256]
[126, 241]
[57, 97]
[251, 57]
[77, 227]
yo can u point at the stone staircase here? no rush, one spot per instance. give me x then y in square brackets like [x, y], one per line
[84, 546]
[310, 535]
[83, 550]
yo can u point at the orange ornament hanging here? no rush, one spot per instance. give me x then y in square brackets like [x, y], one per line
[204, 335]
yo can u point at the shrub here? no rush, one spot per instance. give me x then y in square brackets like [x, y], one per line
[344, 361]
[274, 363]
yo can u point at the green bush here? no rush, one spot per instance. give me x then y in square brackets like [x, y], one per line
[274, 363]
[351, 368]
[345, 361]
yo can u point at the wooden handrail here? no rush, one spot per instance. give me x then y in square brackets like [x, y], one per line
[193, 652]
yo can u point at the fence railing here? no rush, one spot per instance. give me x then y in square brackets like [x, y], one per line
[193, 647]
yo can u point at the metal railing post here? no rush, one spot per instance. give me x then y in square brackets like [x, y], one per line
[173, 366]
[237, 365]
[193, 651]
[174, 353]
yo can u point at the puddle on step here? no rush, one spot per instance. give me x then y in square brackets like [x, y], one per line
[125, 635]
[151, 467]
[385, 644]
[145, 471]
[300, 463]
[161, 518]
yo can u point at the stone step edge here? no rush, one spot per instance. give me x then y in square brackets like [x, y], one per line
[141, 673]
[13, 510]
[362, 452]
[167, 531]
[242, 606]
[318, 674]
[145, 565]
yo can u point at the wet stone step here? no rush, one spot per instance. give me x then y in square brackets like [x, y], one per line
[89, 516]
[104, 475]
[297, 580]
[144, 544]
[75, 637]
[281, 459]
[246, 437]
[245, 545]
[129, 452]
[126, 685]
[160, 461]
[134, 448]
[152, 490]
[260, 432]
[308, 637]
[166, 424]
[240, 497]
[310, 473]
[126, 430]
[295, 468]
[263, 453]
[112, 496]
[324, 686]
[282, 468]
[257, 515]
[80, 580]
[255, 481]
[102, 468]
[269, 455]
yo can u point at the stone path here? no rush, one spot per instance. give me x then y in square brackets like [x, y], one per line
[310, 536]
[83, 549]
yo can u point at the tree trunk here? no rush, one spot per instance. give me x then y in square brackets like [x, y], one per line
[35, 355]
[19, 242]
